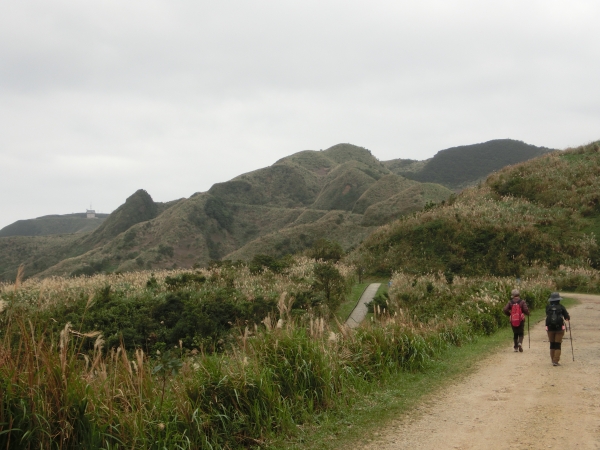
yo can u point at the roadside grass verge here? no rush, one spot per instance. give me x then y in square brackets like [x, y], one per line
[388, 402]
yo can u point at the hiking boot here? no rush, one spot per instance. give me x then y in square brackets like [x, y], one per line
[520, 348]
[555, 364]
[516, 349]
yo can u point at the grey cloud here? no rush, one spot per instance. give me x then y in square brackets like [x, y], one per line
[99, 99]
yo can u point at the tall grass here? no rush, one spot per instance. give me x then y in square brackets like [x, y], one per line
[64, 389]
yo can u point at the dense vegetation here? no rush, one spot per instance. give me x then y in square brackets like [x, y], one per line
[238, 354]
[459, 167]
[227, 385]
[540, 214]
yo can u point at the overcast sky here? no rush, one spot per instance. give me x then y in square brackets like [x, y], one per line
[99, 99]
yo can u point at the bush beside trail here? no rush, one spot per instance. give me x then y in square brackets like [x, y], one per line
[154, 311]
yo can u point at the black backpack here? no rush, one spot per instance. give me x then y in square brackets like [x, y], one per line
[555, 317]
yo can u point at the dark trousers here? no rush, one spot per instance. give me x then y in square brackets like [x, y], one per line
[518, 333]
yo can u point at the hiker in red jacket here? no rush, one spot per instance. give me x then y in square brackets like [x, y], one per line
[517, 309]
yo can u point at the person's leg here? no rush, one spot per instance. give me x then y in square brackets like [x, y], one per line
[557, 344]
[515, 338]
[520, 335]
[551, 335]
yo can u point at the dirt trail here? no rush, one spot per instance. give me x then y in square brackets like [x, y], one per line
[516, 400]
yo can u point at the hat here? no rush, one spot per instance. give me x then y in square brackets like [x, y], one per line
[555, 297]
[515, 293]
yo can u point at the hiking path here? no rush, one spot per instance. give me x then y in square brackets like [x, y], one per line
[515, 400]
[359, 312]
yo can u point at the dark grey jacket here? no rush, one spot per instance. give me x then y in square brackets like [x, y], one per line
[562, 311]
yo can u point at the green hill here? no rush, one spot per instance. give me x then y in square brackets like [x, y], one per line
[407, 201]
[540, 213]
[459, 167]
[276, 210]
[343, 193]
[53, 224]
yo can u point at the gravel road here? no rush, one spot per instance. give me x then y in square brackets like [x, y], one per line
[516, 400]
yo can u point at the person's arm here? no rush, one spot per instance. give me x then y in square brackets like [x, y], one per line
[565, 313]
[524, 307]
[506, 309]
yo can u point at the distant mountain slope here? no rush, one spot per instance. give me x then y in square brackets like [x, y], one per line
[540, 213]
[36, 252]
[459, 167]
[53, 224]
[343, 193]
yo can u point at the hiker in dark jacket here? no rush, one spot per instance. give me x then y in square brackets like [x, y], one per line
[519, 329]
[556, 314]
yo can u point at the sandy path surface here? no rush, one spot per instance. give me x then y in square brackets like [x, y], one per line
[516, 400]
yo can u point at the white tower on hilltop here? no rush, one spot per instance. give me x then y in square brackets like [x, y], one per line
[91, 214]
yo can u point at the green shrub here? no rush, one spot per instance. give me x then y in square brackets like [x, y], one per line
[325, 250]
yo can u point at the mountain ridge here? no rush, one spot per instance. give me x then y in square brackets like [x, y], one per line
[342, 193]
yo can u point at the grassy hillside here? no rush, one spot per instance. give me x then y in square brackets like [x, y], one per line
[36, 252]
[459, 167]
[53, 224]
[538, 213]
[341, 194]
[387, 186]
[407, 201]
[279, 209]
[340, 226]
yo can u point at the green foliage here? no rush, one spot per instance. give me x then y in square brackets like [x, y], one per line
[93, 268]
[153, 319]
[567, 179]
[261, 262]
[415, 198]
[325, 250]
[345, 185]
[215, 251]
[521, 219]
[218, 210]
[129, 237]
[183, 279]
[458, 167]
[274, 380]
[380, 304]
[165, 250]
[330, 283]
[385, 187]
[477, 302]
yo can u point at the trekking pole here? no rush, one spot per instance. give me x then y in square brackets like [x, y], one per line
[528, 334]
[571, 338]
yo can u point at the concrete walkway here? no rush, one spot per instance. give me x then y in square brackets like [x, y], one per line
[360, 311]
